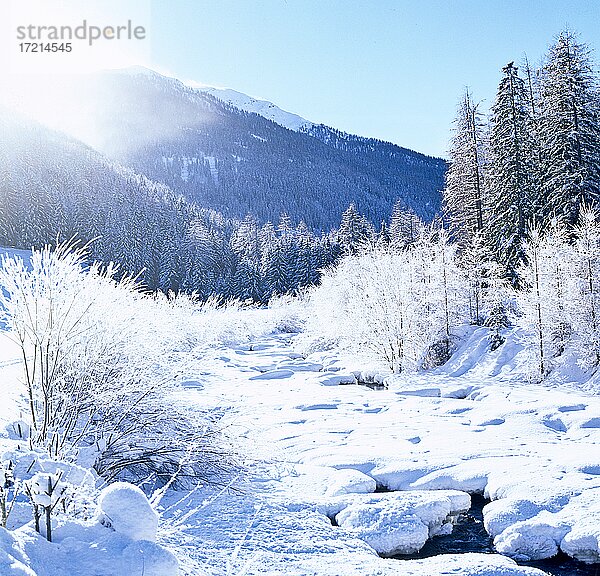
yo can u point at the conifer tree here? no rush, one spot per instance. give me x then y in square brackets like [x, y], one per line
[404, 226]
[463, 192]
[510, 182]
[355, 231]
[569, 129]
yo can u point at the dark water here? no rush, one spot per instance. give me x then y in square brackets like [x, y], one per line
[469, 535]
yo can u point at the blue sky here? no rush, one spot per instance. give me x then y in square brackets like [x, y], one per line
[391, 69]
[388, 69]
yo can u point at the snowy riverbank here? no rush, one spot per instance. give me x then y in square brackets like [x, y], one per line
[318, 449]
[533, 450]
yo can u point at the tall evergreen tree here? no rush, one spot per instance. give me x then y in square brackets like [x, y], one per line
[510, 182]
[355, 231]
[405, 226]
[463, 192]
[569, 129]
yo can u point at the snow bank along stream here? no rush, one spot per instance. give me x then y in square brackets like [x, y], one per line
[347, 479]
[429, 441]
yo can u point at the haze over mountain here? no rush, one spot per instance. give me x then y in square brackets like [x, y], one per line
[240, 155]
[54, 187]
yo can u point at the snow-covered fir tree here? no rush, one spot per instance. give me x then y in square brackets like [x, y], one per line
[569, 129]
[355, 231]
[510, 182]
[405, 226]
[463, 192]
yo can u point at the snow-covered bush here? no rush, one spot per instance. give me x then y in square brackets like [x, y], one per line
[119, 539]
[46, 491]
[100, 370]
[400, 305]
[125, 508]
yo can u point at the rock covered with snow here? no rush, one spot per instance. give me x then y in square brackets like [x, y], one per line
[573, 529]
[349, 481]
[125, 508]
[401, 522]
[529, 540]
[335, 379]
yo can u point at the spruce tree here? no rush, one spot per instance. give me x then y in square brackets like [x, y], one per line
[355, 231]
[510, 182]
[404, 226]
[463, 192]
[569, 129]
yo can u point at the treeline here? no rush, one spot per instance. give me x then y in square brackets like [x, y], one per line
[520, 245]
[53, 187]
[536, 158]
[407, 306]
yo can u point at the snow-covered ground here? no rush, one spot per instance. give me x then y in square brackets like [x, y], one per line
[311, 509]
[318, 448]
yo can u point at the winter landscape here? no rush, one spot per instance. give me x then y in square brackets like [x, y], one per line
[234, 341]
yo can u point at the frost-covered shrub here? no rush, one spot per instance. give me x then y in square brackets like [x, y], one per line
[583, 286]
[438, 353]
[496, 321]
[100, 369]
[289, 312]
[558, 307]
[396, 305]
[46, 492]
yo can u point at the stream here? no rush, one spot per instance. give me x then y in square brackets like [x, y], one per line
[469, 535]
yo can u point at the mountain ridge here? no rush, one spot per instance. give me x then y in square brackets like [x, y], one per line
[236, 161]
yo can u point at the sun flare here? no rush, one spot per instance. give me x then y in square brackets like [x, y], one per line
[46, 45]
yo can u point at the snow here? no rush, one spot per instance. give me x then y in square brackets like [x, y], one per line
[249, 104]
[12, 562]
[125, 508]
[149, 559]
[425, 434]
[572, 528]
[401, 522]
[327, 448]
[274, 375]
[349, 481]
[320, 446]
[79, 549]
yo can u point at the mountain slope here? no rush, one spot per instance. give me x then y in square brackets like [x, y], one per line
[263, 108]
[239, 162]
[53, 186]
